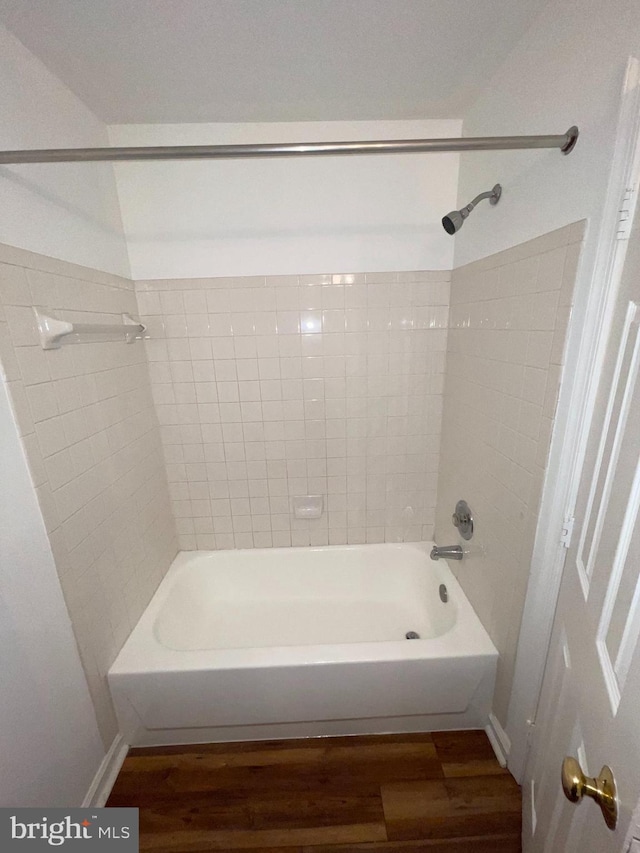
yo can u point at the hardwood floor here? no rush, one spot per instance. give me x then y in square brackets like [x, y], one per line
[416, 793]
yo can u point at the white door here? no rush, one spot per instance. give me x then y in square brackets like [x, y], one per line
[590, 701]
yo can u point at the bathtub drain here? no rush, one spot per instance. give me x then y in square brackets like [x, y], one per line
[412, 635]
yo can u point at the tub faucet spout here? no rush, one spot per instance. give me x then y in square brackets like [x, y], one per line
[446, 552]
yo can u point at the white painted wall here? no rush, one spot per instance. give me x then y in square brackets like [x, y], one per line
[66, 210]
[567, 69]
[49, 739]
[286, 216]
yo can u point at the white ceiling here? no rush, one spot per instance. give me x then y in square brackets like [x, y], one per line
[271, 60]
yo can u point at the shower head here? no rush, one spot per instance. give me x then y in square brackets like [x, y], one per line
[453, 221]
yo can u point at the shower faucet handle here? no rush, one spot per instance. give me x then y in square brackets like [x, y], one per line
[463, 520]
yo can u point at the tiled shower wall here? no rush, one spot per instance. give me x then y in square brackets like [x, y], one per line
[277, 387]
[86, 418]
[509, 316]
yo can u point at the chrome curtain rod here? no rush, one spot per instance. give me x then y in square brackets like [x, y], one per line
[564, 141]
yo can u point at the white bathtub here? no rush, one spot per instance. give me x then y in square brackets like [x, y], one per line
[295, 642]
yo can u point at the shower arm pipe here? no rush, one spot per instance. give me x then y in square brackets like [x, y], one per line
[469, 207]
[564, 141]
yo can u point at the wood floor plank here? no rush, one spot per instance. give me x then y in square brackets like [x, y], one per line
[453, 808]
[456, 747]
[292, 770]
[509, 843]
[317, 810]
[189, 842]
[198, 844]
[473, 768]
[247, 784]
[466, 753]
[454, 826]
[216, 760]
[327, 752]
[276, 811]
[480, 794]
[410, 801]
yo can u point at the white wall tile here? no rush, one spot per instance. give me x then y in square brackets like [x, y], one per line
[91, 436]
[507, 330]
[296, 377]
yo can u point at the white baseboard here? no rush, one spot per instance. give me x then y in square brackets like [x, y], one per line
[103, 781]
[499, 739]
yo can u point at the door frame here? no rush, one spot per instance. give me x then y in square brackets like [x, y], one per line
[598, 278]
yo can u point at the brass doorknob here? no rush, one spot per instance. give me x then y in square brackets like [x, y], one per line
[600, 788]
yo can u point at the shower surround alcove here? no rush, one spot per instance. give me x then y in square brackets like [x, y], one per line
[251, 391]
[340, 393]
